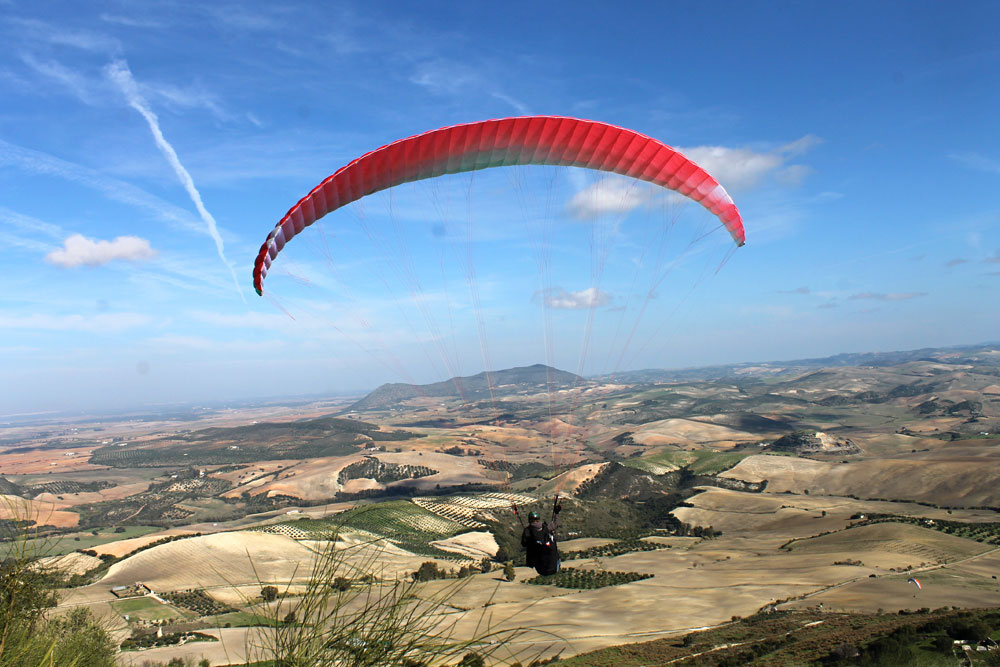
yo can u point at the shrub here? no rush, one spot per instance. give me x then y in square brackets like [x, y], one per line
[383, 623]
[27, 637]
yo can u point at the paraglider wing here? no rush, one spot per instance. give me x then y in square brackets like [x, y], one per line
[536, 140]
[913, 580]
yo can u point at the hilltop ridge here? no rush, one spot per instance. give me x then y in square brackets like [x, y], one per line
[537, 376]
[976, 355]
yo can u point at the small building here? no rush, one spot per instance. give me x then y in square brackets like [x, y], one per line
[137, 590]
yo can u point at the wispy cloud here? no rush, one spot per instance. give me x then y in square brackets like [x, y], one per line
[58, 35]
[799, 146]
[443, 76]
[252, 320]
[179, 342]
[187, 98]
[955, 262]
[29, 225]
[447, 77]
[587, 298]
[130, 21]
[977, 161]
[519, 106]
[100, 323]
[240, 17]
[994, 258]
[114, 189]
[892, 296]
[80, 86]
[94, 91]
[829, 195]
[121, 75]
[78, 251]
[797, 290]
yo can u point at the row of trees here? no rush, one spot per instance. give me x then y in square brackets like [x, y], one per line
[429, 571]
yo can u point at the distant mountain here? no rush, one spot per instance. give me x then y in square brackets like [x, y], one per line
[538, 377]
[976, 355]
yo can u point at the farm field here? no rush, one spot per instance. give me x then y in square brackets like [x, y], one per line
[68, 543]
[710, 580]
[212, 560]
[887, 545]
[403, 523]
[70, 563]
[648, 469]
[148, 609]
[42, 513]
[943, 478]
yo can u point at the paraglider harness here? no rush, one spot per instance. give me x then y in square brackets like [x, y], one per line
[540, 542]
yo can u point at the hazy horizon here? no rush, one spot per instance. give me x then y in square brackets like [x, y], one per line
[288, 399]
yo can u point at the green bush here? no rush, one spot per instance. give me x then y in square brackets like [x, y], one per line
[28, 637]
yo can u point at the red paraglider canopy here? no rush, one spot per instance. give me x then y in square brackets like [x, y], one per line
[534, 140]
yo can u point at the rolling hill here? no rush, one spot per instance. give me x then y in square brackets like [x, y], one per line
[537, 377]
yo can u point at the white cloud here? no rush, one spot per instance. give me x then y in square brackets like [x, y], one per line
[78, 250]
[744, 168]
[100, 323]
[609, 196]
[587, 298]
[735, 168]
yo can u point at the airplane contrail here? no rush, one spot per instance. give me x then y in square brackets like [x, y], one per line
[122, 76]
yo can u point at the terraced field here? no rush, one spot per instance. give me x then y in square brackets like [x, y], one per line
[467, 510]
[401, 522]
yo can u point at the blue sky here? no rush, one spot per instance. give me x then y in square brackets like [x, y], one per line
[146, 151]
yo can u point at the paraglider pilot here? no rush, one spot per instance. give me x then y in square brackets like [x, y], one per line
[539, 539]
